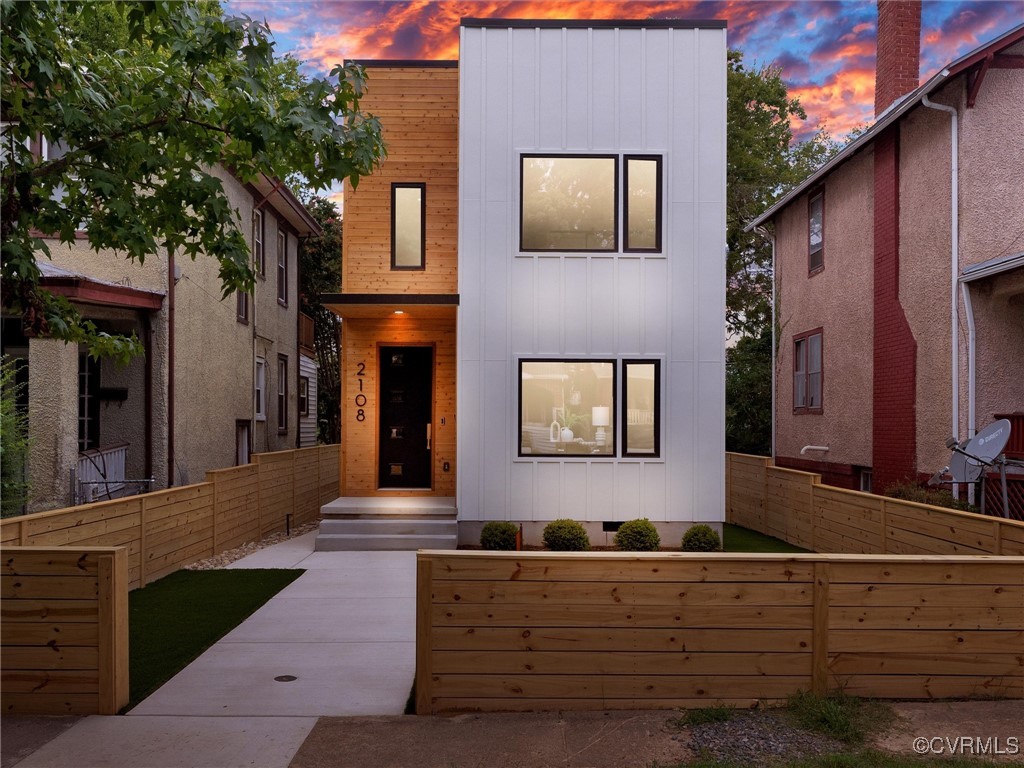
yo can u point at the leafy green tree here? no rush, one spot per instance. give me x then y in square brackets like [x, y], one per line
[137, 132]
[13, 440]
[320, 268]
[748, 395]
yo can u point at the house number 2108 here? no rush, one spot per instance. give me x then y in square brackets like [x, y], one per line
[360, 397]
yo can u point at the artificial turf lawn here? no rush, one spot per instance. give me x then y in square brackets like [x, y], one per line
[737, 539]
[173, 620]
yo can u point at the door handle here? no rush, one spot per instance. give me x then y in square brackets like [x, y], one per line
[429, 425]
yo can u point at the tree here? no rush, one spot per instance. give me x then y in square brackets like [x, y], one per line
[134, 134]
[320, 268]
[748, 395]
[13, 438]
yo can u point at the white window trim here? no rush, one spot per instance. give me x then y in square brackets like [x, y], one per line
[260, 388]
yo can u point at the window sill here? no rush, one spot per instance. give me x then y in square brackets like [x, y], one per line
[589, 458]
[808, 411]
[816, 271]
[282, 303]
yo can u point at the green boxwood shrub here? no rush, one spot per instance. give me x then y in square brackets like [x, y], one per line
[566, 536]
[701, 538]
[499, 534]
[638, 536]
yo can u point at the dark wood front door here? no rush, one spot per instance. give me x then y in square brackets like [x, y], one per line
[406, 396]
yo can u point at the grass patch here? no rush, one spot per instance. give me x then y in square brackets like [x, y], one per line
[175, 619]
[838, 715]
[737, 539]
[716, 714]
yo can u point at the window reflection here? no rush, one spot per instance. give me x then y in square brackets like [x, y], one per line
[643, 204]
[568, 203]
[407, 226]
[567, 407]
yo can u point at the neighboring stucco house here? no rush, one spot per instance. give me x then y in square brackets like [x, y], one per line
[534, 286]
[220, 378]
[899, 271]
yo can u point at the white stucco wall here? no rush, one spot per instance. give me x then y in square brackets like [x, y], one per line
[602, 90]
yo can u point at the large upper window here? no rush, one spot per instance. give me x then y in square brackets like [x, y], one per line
[816, 232]
[807, 372]
[408, 226]
[643, 203]
[566, 407]
[641, 415]
[569, 203]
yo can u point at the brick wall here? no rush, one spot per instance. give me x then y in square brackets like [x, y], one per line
[899, 50]
[894, 422]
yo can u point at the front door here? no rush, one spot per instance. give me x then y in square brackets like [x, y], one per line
[406, 395]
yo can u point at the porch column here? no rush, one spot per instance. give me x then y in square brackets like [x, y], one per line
[53, 421]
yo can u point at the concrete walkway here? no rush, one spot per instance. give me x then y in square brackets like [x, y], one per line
[338, 641]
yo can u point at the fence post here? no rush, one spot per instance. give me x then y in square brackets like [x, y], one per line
[112, 623]
[885, 527]
[142, 541]
[295, 510]
[997, 543]
[216, 508]
[22, 533]
[424, 589]
[819, 632]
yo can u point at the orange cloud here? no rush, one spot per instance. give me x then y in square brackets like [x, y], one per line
[835, 102]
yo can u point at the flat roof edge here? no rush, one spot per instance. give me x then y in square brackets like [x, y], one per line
[449, 299]
[595, 23]
[429, 63]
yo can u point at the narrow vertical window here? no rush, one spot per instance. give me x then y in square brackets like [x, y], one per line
[800, 374]
[243, 441]
[261, 389]
[282, 393]
[242, 307]
[408, 226]
[282, 268]
[303, 396]
[641, 416]
[257, 242]
[808, 372]
[816, 232]
[88, 402]
[643, 204]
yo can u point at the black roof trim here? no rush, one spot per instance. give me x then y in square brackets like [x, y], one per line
[447, 299]
[429, 63]
[596, 23]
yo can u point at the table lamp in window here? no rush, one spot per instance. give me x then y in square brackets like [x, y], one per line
[599, 417]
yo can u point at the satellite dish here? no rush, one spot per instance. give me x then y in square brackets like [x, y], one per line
[964, 470]
[989, 443]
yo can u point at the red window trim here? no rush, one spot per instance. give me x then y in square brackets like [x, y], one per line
[803, 409]
[811, 197]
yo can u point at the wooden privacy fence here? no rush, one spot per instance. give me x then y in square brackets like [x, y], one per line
[796, 507]
[64, 631]
[544, 631]
[167, 530]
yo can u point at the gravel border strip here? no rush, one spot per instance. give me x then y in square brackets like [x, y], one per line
[229, 556]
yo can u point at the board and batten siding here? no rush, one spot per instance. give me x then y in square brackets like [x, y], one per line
[308, 424]
[601, 90]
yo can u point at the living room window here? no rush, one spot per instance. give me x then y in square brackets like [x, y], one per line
[641, 412]
[569, 203]
[567, 407]
[643, 203]
[408, 226]
[807, 372]
[816, 232]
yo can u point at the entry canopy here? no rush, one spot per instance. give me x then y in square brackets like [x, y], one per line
[352, 306]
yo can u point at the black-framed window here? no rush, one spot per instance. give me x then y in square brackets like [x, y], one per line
[258, 255]
[88, 401]
[568, 203]
[643, 204]
[567, 407]
[808, 372]
[282, 393]
[408, 225]
[243, 442]
[260, 390]
[303, 396]
[282, 268]
[641, 408]
[242, 307]
[816, 232]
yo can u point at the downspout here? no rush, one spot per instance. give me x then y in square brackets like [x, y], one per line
[774, 347]
[170, 367]
[971, 352]
[954, 267]
[147, 405]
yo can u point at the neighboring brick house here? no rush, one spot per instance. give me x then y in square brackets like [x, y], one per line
[219, 378]
[872, 288]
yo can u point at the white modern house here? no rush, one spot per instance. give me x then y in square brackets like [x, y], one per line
[581, 303]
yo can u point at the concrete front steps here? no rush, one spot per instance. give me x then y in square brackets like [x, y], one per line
[401, 523]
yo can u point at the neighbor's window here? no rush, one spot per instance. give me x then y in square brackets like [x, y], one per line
[567, 407]
[242, 307]
[282, 268]
[257, 242]
[641, 422]
[282, 393]
[643, 203]
[408, 226]
[807, 372]
[261, 389]
[568, 203]
[303, 396]
[816, 232]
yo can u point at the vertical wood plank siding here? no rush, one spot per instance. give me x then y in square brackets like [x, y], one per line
[545, 631]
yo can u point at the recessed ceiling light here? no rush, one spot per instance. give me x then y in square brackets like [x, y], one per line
[399, 312]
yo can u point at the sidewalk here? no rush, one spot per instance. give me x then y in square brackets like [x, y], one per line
[341, 637]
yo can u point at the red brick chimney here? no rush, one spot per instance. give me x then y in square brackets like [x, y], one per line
[897, 65]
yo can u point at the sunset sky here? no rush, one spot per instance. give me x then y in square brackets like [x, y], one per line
[826, 49]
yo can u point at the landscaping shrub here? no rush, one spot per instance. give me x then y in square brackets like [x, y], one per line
[499, 534]
[938, 497]
[638, 536]
[566, 536]
[701, 538]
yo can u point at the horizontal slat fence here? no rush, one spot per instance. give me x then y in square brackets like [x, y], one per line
[167, 530]
[545, 631]
[798, 508]
[64, 630]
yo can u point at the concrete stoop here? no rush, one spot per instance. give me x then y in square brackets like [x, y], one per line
[405, 523]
